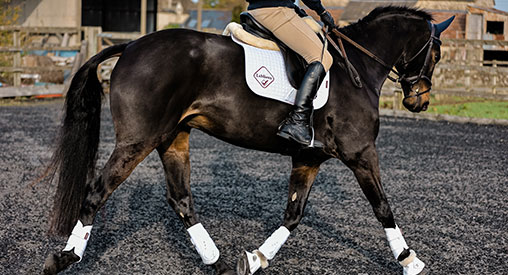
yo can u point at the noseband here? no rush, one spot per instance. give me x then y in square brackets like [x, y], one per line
[411, 80]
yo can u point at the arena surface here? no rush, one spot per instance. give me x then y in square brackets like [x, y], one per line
[447, 184]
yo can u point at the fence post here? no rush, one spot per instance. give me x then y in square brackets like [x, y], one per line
[142, 27]
[467, 74]
[397, 99]
[92, 36]
[16, 59]
[79, 59]
[494, 78]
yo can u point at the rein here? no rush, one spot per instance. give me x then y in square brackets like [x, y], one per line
[401, 78]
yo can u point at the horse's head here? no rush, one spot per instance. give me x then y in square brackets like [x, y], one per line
[416, 67]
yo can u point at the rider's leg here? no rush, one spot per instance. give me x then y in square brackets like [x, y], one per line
[292, 30]
[298, 125]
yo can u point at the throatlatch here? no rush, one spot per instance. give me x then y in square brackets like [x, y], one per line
[78, 239]
[204, 244]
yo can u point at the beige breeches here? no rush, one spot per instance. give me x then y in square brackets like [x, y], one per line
[292, 30]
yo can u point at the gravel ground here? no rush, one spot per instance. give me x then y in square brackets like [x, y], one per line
[447, 184]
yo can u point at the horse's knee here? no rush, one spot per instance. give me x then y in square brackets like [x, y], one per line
[59, 261]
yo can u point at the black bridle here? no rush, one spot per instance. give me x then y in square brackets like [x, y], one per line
[401, 78]
[412, 80]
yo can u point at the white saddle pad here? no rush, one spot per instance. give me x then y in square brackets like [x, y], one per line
[266, 76]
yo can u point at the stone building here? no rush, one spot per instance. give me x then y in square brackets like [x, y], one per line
[112, 15]
[471, 22]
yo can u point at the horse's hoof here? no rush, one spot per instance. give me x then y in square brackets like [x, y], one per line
[242, 266]
[249, 263]
[59, 261]
[228, 272]
[413, 268]
[222, 269]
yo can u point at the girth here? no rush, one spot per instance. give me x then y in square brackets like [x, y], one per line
[295, 64]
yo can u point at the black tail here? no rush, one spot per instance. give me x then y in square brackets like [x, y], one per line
[76, 152]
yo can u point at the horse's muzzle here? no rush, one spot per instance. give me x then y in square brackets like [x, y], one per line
[417, 95]
[416, 103]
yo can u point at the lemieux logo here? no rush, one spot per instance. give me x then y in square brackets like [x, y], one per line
[264, 77]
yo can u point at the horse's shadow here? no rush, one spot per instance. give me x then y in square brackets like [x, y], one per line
[331, 232]
[238, 198]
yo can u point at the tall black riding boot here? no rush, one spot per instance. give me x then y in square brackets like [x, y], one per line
[298, 125]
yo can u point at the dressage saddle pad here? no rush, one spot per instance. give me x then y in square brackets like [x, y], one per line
[266, 76]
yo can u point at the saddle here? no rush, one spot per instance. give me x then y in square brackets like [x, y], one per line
[295, 64]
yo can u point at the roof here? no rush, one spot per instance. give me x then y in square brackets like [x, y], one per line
[211, 19]
[357, 9]
[493, 10]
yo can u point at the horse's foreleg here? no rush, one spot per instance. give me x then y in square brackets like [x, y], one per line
[119, 166]
[366, 170]
[175, 158]
[301, 180]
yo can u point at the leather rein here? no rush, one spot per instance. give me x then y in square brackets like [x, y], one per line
[401, 77]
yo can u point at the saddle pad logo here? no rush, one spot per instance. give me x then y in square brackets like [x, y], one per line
[264, 77]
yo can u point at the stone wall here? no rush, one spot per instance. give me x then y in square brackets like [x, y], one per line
[49, 13]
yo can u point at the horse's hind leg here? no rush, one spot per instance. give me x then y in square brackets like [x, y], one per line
[302, 177]
[174, 154]
[119, 166]
[366, 169]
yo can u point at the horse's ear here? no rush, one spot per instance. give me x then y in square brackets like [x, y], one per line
[440, 27]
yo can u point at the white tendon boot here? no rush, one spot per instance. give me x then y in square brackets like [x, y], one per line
[78, 239]
[411, 264]
[204, 244]
[259, 258]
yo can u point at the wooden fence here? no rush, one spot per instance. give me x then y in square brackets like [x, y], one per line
[86, 42]
[462, 71]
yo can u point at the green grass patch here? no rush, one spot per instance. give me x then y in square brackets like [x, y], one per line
[461, 106]
[483, 109]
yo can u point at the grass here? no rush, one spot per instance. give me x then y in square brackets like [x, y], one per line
[469, 107]
[463, 106]
[486, 109]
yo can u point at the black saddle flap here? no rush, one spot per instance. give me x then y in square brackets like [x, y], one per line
[295, 64]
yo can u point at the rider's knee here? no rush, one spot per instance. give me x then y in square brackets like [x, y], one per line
[327, 61]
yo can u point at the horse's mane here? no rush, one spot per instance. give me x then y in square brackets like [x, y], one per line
[386, 11]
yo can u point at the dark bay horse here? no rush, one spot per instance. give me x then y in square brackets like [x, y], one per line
[168, 82]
